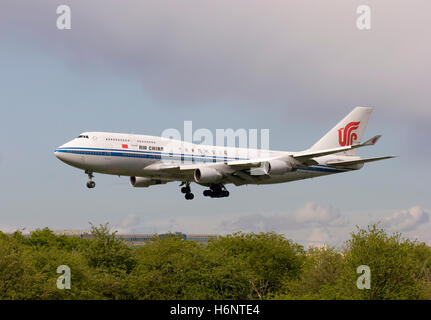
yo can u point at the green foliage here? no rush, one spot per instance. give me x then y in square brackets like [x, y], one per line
[237, 266]
[16, 269]
[168, 268]
[107, 253]
[322, 268]
[45, 262]
[46, 238]
[259, 263]
[394, 262]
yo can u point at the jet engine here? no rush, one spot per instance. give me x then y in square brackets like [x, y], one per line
[207, 175]
[275, 167]
[141, 182]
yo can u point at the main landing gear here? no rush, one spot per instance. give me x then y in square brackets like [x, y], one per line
[216, 191]
[188, 194]
[90, 184]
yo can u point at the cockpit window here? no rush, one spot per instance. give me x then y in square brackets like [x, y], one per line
[82, 136]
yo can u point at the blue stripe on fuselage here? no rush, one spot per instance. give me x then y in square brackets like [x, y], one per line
[150, 152]
[178, 157]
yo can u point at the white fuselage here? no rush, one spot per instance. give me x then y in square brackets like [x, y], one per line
[135, 155]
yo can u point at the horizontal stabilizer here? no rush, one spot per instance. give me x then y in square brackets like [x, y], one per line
[306, 155]
[371, 141]
[359, 161]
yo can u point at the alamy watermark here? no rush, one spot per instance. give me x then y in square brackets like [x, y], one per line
[63, 281]
[64, 18]
[364, 281]
[363, 22]
[239, 138]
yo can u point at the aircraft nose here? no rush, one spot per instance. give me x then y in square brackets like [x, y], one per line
[58, 154]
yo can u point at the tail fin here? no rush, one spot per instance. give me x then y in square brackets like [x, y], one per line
[347, 132]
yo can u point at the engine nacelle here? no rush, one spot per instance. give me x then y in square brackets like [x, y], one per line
[141, 182]
[275, 167]
[207, 175]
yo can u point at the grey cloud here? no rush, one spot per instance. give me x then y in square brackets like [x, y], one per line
[296, 55]
[315, 214]
[259, 223]
[310, 215]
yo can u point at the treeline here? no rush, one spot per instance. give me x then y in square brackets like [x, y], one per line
[237, 266]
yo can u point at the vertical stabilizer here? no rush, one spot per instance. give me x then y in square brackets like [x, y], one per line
[347, 132]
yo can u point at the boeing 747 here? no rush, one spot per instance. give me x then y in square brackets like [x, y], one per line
[150, 160]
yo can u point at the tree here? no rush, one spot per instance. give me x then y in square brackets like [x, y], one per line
[265, 259]
[393, 261]
[46, 238]
[17, 272]
[168, 268]
[45, 262]
[320, 273]
[237, 266]
[108, 253]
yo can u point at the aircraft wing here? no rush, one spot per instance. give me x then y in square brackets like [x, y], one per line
[238, 170]
[235, 165]
[305, 155]
[352, 162]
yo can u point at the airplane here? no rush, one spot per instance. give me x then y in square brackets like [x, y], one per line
[150, 160]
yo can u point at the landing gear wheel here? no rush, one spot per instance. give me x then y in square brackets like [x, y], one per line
[189, 196]
[185, 189]
[91, 184]
[216, 191]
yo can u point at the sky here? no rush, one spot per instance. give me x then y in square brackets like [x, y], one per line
[293, 67]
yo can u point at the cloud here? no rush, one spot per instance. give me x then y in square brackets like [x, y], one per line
[314, 214]
[319, 237]
[127, 225]
[407, 220]
[309, 216]
[288, 53]
[258, 223]
[11, 229]
[311, 224]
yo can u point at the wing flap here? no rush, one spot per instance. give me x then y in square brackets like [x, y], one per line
[244, 164]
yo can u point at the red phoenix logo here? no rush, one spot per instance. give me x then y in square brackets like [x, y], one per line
[346, 136]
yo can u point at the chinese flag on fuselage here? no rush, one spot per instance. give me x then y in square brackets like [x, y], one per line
[125, 146]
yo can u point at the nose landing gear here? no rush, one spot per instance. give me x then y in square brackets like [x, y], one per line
[90, 184]
[187, 191]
